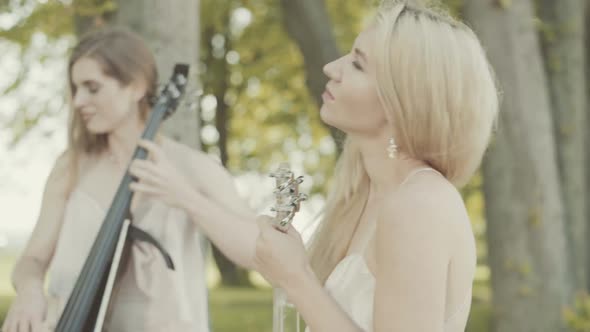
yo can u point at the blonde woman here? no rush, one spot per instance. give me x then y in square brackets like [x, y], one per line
[395, 250]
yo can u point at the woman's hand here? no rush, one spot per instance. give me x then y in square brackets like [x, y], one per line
[280, 257]
[159, 178]
[27, 312]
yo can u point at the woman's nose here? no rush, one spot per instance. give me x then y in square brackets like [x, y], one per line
[79, 99]
[333, 70]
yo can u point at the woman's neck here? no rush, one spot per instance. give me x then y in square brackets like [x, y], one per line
[385, 174]
[123, 141]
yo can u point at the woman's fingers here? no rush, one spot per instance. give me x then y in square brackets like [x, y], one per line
[140, 173]
[145, 174]
[143, 188]
[264, 224]
[36, 325]
[144, 165]
[22, 325]
[146, 171]
[6, 323]
[292, 232]
[155, 152]
[13, 327]
[7, 326]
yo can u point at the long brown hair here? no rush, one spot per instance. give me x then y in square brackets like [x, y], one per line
[122, 55]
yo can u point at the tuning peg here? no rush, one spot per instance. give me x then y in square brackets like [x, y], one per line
[282, 208]
[181, 80]
[174, 92]
[287, 184]
[282, 171]
[299, 198]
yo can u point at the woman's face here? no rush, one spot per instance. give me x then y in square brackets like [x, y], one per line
[351, 102]
[103, 102]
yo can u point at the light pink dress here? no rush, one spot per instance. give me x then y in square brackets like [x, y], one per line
[148, 296]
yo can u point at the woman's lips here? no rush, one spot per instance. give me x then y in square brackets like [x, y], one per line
[327, 95]
[86, 116]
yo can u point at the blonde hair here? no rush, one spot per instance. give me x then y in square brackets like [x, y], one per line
[122, 55]
[439, 93]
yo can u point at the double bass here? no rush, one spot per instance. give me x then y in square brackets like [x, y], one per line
[87, 304]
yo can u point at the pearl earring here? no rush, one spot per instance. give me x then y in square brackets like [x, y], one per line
[391, 148]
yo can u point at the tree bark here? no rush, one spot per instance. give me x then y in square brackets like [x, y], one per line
[171, 29]
[308, 24]
[564, 51]
[524, 211]
[231, 274]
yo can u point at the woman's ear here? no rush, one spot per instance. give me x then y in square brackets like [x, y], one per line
[138, 90]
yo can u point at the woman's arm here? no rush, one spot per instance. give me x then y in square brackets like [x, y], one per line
[233, 231]
[29, 271]
[29, 306]
[205, 190]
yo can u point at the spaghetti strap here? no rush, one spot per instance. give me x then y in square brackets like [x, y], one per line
[416, 171]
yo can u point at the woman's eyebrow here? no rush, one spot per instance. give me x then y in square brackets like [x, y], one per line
[361, 54]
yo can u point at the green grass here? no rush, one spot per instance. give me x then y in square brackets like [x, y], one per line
[248, 310]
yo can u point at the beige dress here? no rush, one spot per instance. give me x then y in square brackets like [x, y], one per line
[148, 296]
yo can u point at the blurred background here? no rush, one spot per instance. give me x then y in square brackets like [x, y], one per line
[253, 102]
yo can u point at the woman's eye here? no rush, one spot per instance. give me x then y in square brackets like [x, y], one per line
[93, 89]
[357, 65]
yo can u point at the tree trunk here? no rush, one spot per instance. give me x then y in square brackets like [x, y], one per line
[171, 29]
[564, 50]
[308, 24]
[231, 274]
[524, 212]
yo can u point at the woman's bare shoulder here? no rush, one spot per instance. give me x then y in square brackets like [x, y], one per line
[57, 181]
[427, 205]
[425, 193]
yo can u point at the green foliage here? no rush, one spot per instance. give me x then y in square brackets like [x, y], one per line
[504, 4]
[273, 118]
[4, 6]
[94, 7]
[577, 316]
[53, 18]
